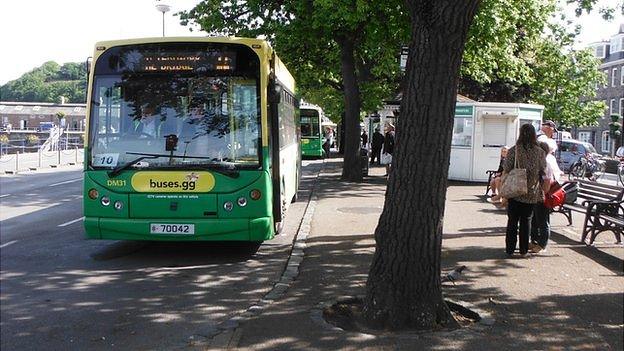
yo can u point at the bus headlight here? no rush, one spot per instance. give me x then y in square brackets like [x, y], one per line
[255, 194]
[118, 205]
[228, 206]
[93, 194]
[242, 202]
[105, 200]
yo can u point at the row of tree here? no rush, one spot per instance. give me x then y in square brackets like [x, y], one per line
[48, 83]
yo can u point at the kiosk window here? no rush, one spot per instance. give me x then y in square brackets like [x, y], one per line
[494, 132]
[462, 131]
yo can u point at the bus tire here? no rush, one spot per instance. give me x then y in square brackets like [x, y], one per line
[251, 247]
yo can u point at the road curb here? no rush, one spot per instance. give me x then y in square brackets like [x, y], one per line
[227, 334]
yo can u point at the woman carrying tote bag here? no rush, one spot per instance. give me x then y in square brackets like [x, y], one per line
[527, 155]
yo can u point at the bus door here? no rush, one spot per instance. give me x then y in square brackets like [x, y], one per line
[274, 96]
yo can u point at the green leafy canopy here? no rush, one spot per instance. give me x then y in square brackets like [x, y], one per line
[48, 83]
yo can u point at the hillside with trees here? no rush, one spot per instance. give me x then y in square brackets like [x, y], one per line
[48, 83]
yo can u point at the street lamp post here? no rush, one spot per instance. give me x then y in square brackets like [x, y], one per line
[163, 8]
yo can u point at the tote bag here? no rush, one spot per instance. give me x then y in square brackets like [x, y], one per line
[514, 183]
[385, 158]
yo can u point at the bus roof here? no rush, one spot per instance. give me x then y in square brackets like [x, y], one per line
[132, 41]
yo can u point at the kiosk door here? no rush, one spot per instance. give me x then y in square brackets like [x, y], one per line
[487, 153]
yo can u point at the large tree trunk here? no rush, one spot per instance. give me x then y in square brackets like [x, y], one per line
[352, 169]
[403, 288]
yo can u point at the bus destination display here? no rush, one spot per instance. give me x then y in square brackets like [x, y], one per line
[172, 61]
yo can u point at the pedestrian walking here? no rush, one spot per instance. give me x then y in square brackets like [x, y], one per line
[364, 138]
[329, 140]
[376, 145]
[526, 154]
[388, 148]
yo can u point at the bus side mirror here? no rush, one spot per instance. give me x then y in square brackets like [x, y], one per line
[275, 93]
[88, 64]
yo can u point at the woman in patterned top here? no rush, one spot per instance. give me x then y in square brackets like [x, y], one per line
[520, 209]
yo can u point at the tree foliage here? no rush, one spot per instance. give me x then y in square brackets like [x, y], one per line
[565, 82]
[517, 53]
[306, 35]
[342, 52]
[48, 83]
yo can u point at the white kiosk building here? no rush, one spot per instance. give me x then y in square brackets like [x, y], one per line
[480, 130]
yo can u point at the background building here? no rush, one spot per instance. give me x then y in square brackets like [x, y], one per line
[611, 52]
[40, 115]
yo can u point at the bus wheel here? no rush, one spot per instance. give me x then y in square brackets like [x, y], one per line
[251, 247]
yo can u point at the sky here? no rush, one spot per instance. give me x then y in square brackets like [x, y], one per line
[35, 31]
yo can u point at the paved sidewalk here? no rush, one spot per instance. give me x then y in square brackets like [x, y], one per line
[569, 298]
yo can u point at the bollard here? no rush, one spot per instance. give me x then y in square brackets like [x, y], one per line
[16, 160]
[39, 154]
[76, 148]
[59, 155]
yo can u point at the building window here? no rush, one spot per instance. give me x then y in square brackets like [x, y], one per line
[622, 75]
[606, 142]
[616, 44]
[606, 73]
[613, 108]
[584, 137]
[622, 107]
[614, 77]
[600, 51]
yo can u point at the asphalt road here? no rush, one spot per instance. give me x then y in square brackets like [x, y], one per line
[59, 291]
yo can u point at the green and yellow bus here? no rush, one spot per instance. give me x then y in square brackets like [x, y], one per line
[311, 131]
[189, 139]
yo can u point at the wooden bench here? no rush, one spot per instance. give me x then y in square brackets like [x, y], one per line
[602, 206]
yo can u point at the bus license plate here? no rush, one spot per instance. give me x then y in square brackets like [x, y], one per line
[163, 228]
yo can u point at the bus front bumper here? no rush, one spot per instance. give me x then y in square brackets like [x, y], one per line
[232, 229]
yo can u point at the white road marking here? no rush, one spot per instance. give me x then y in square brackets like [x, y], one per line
[66, 182]
[71, 222]
[7, 244]
[5, 195]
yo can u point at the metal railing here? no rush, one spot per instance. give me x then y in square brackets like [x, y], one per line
[24, 161]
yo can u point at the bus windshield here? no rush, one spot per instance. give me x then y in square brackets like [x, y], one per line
[309, 123]
[194, 114]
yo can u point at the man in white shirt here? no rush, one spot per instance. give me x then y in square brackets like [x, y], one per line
[540, 223]
[549, 128]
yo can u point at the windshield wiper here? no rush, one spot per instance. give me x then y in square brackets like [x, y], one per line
[115, 171]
